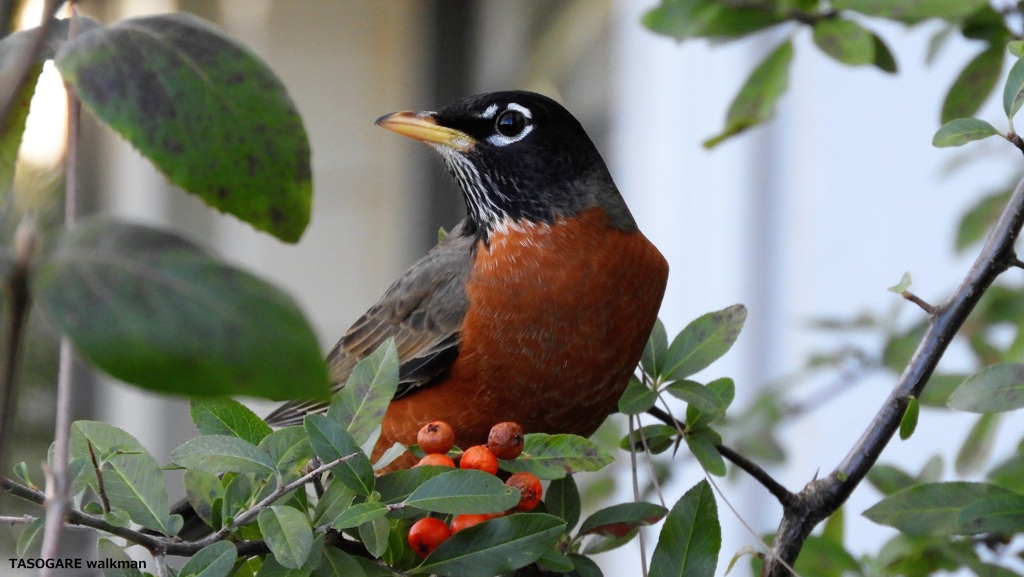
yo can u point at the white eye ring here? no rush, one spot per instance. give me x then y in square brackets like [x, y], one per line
[519, 115]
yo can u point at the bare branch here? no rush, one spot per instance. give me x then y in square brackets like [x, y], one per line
[823, 496]
[57, 505]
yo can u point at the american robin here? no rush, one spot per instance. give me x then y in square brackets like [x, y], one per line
[533, 309]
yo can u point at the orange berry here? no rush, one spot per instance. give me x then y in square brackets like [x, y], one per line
[426, 534]
[530, 490]
[436, 437]
[506, 440]
[461, 522]
[437, 459]
[479, 457]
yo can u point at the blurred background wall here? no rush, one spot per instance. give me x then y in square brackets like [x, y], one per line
[812, 216]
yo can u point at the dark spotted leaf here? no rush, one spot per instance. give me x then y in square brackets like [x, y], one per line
[703, 341]
[931, 509]
[208, 112]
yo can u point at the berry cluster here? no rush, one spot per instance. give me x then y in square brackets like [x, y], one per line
[505, 441]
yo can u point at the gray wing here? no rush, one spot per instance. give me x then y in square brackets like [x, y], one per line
[423, 311]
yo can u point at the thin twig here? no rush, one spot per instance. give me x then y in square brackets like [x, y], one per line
[249, 514]
[784, 496]
[822, 497]
[925, 306]
[57, 506]
[9, 91]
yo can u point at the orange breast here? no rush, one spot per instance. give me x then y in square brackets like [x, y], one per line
[558, 317]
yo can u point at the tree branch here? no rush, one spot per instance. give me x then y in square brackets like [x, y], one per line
[784, 496]
[823, 496]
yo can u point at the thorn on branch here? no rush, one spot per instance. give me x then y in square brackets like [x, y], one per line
[925, 306]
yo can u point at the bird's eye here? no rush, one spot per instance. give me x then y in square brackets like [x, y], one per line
[510, 123]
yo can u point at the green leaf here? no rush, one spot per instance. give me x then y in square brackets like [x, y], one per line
[1003, 514]
[214, 560]
[271, 566]
[337, 563]
[562, 499]
[904, 284]
[1009, 473]
[961, 131]
[653, 358]
[1015, 48]
[1013, 90]
[555, 456]
[845, 40]
[974, 225]
[706, 454]
[335, 500]
[225, 416]
[331, 442]
[360, 405]
[696, 394]
[359, 514]
[683, 19]
[703, 341]
[289, 450]
[888, 479]
[287, 534]
[725, 389]
[463, 491]
[911, 11]
[395, 487]
[974, 453]
[691, 537]
[133, 480]
[994, 389]
[221, 453]
[834, 529]
[374, 535]
[909, 420]
[973, 85]
[884, 59]
[205, 494]
[205, 110]
[495, 547]
[618, 520]
[155, 310]
[658, 438]
[583, 566]
[12, 128]
[108, 550]
[637, 398]
[31, 539]
[820, 556]
[930, 509]
[755, 102]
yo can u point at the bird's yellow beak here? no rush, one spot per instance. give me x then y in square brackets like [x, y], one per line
[423, 126]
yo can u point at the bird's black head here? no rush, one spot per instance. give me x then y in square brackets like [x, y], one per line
[517, 156]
